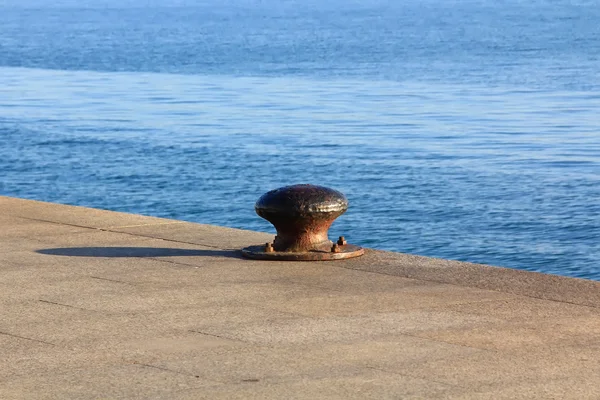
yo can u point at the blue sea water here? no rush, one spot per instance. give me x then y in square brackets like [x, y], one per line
[466, 129]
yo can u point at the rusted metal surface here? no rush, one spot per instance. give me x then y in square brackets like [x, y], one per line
[347, 251]
[302, 215]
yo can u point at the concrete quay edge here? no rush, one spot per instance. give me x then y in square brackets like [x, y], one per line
[525, 283]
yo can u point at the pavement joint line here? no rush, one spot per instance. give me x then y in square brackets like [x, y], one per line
[216, 383]
[67, 305]
[138, 225]
[111, 230]
[112, 280]
[174, 262]
[426, 308]
[107, 228]
[531, 296]
[434, 307]
[25, 338]
[161, 238]
[186, 264]
[217, 336]
[440, 282]
[450, 343]
[558, 301]
[58, 223]
[165, 369]
[338, 265]
[413, 376]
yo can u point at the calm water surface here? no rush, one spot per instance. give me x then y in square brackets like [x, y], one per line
[468, 130]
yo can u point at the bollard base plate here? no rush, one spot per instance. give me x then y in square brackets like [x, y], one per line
[345, 251]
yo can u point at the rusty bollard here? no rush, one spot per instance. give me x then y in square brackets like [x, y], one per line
[302, 215]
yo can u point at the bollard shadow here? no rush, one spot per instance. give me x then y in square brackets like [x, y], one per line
[141, 252]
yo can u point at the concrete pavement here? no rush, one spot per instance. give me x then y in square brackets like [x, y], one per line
[103, 305]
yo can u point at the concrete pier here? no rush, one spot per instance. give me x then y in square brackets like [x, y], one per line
[103, 305]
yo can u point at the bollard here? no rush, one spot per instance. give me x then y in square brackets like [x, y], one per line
[302, 215]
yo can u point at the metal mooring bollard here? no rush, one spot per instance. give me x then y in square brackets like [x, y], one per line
[302, 215]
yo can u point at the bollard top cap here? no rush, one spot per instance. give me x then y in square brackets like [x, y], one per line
[302, 199]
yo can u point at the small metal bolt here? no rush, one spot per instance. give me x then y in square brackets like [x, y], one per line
[342, 241]
[335, 248]
[269, 248]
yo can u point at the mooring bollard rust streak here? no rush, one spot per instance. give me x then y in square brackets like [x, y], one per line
[302, 215]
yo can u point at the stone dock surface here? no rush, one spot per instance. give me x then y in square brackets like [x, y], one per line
[103, 305]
